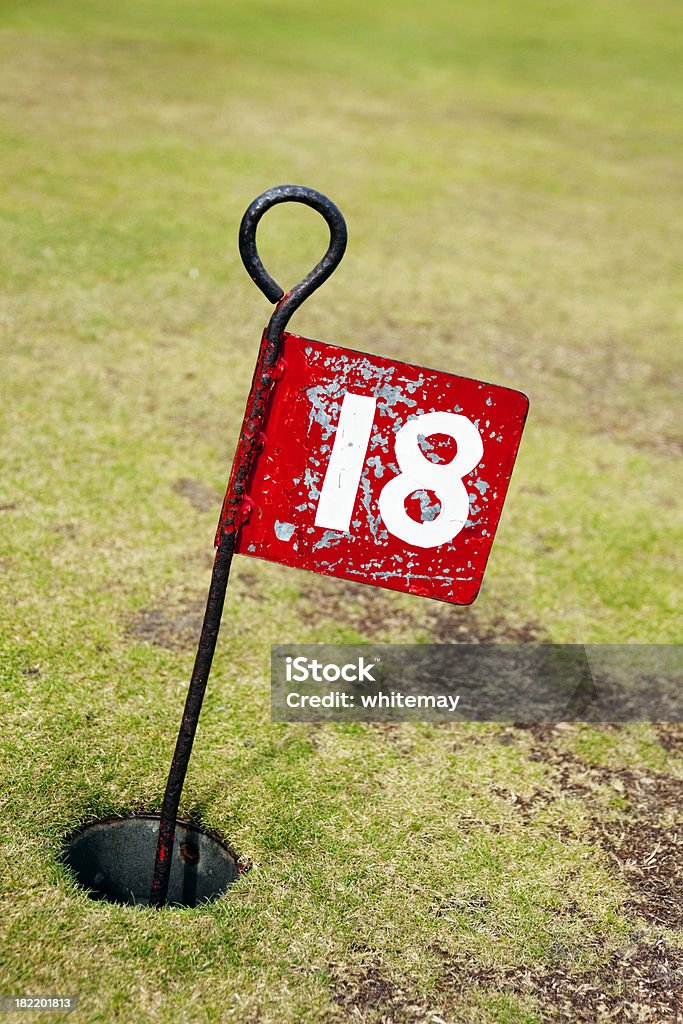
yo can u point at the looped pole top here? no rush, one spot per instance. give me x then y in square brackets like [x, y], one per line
[288, 303]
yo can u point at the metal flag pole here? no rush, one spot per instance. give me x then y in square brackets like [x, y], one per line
[235, 500]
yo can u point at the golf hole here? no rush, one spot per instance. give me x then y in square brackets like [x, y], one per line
[113, 859]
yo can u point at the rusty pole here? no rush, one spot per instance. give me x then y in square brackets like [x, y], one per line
[236, 504]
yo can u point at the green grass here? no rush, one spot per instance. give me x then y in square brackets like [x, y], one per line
[510, 173]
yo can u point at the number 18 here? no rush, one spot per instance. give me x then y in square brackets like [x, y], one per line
[338, 494]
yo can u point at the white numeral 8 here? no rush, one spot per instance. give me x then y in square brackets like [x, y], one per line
[339, 489]
[418, 472]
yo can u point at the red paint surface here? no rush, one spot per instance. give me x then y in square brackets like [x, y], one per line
[297, 434]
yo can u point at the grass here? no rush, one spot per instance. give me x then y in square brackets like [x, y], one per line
[510, 176]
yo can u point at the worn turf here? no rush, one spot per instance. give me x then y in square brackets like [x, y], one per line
[510, 173]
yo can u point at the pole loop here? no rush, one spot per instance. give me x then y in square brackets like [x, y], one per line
[289, 302]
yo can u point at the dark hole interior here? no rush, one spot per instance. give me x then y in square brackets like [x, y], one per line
[113, 860]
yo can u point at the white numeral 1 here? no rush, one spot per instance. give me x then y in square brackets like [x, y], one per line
[338, 494]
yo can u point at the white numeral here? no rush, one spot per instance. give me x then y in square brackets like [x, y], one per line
[338, 494]
[417, 472]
